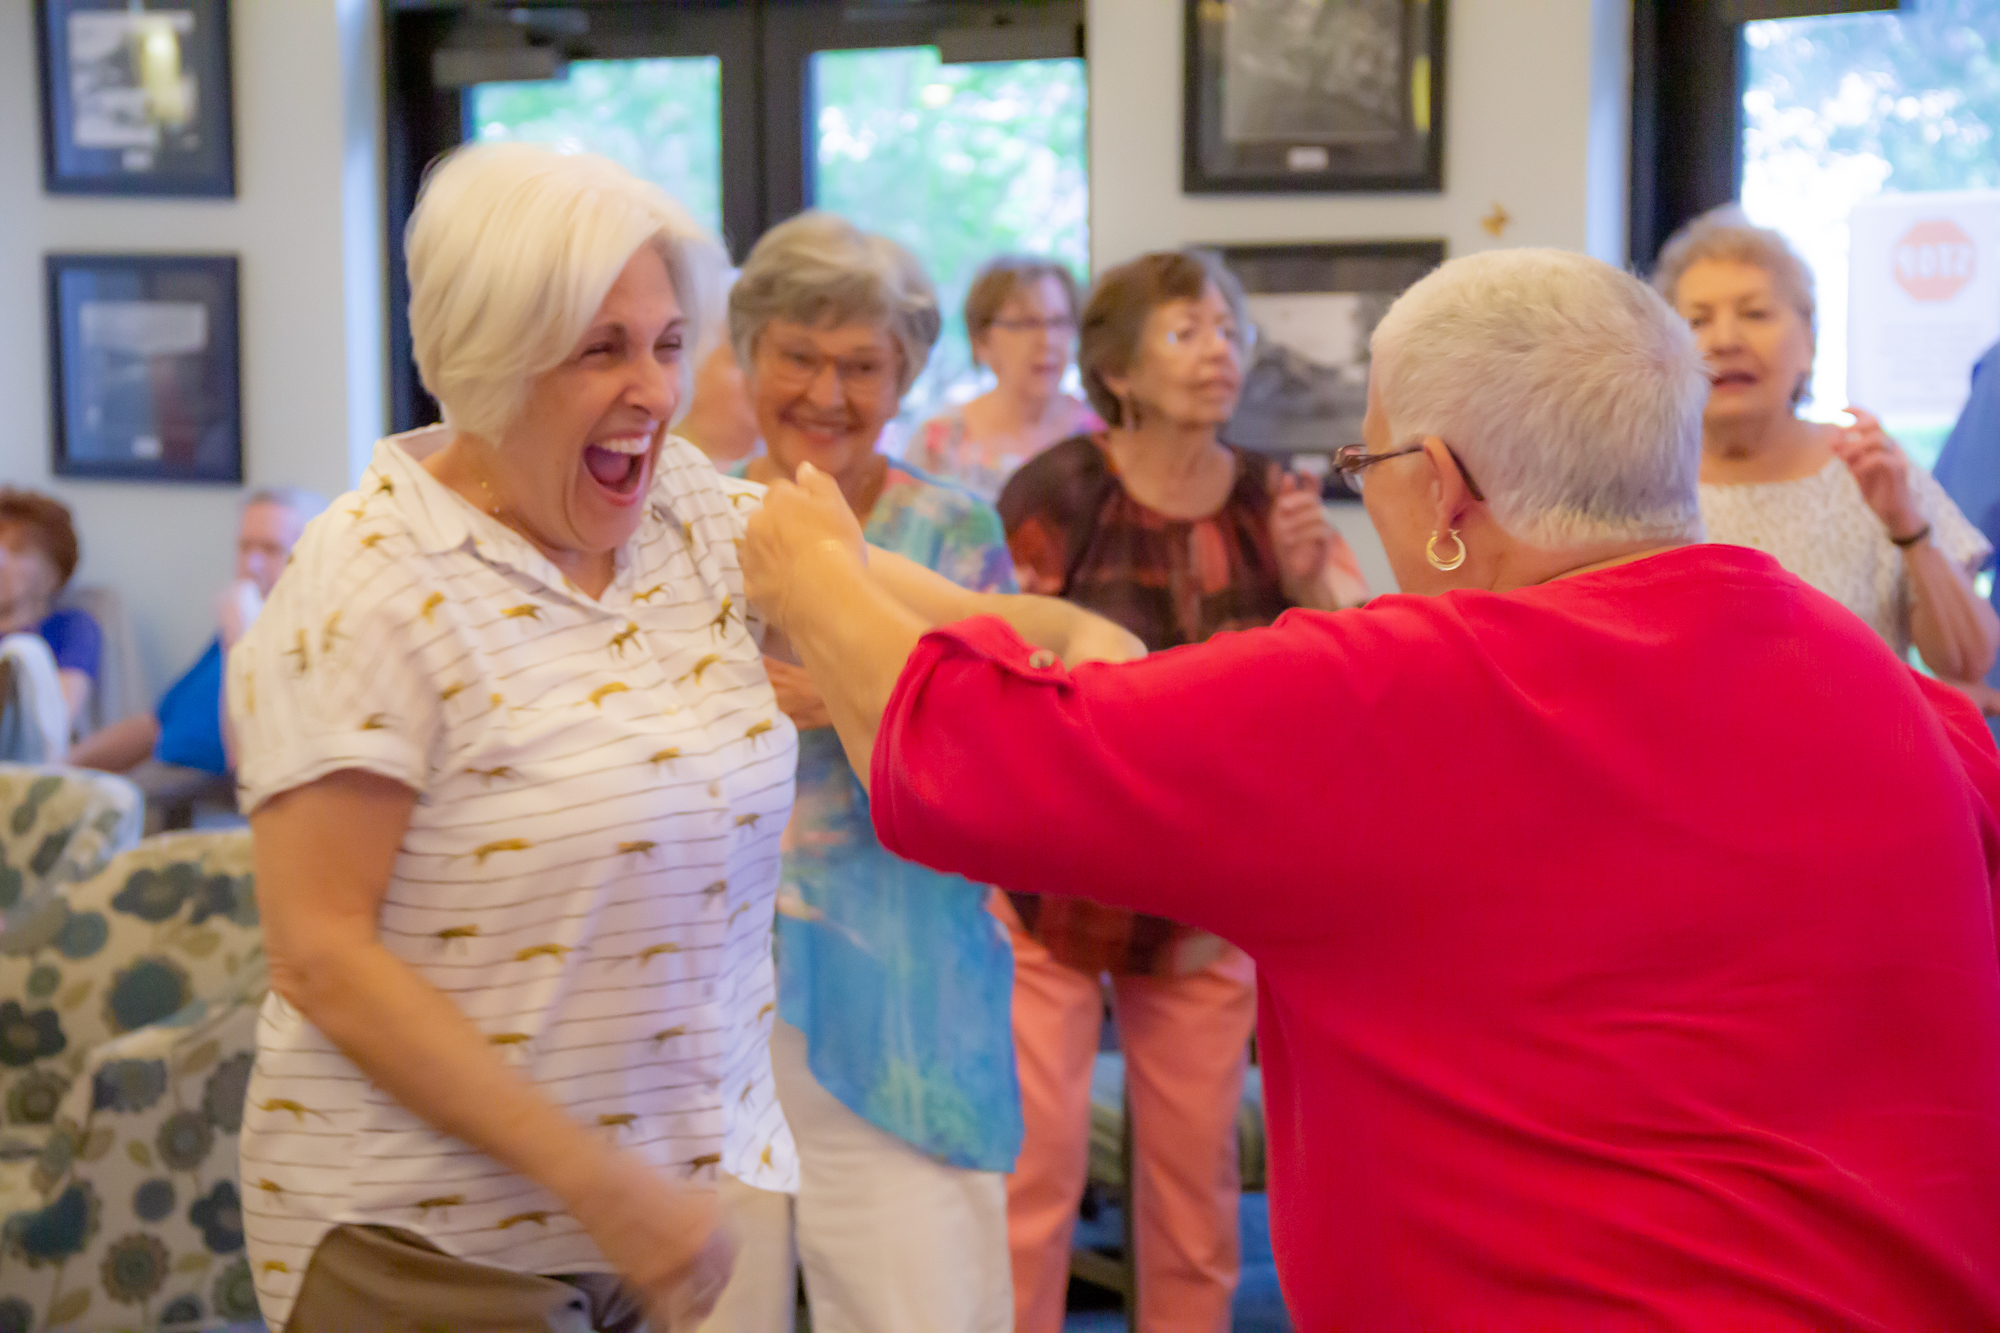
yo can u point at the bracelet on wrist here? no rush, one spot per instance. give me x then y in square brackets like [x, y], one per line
[1921, 534]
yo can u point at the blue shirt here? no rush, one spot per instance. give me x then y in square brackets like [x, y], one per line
[190, 716]
[1969, 467]
[900, 979]
[75, 640]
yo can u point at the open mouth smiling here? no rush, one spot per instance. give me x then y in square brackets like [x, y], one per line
[618, 464]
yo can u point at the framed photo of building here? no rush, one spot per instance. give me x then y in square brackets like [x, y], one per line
[1314, 95]
[136, 97]
[1313, 308]
[144, 376]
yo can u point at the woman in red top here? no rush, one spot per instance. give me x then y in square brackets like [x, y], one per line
[1623, 910]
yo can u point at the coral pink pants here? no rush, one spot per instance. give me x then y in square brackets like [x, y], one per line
[1186, 1043]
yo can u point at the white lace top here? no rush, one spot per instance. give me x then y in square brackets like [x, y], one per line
[1821, 529]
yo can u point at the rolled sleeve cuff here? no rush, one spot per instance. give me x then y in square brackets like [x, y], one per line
[379, 752]
[969, 659]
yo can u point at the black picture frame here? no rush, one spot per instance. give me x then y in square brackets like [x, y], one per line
[1293, 96]
[1313, 306]
[101, 129]
[145, 375]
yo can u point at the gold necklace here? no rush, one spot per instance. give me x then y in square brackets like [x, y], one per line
[493, 508]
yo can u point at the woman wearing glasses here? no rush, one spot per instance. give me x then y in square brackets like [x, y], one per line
[1157, 525]
[892, 1051]
[1623, 910]
[1021, 316]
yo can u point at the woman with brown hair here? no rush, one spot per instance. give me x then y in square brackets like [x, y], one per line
[1021, 316]
[1157, 525]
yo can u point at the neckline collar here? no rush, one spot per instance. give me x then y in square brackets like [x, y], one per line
[442, 520]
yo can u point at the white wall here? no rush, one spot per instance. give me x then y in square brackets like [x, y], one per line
[1536, 100]
[305, 225]
[1537, 108]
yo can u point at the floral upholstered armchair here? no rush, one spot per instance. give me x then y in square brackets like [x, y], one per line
[126, 1040]
[57, 826]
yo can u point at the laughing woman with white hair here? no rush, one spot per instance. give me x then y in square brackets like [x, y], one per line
[516, 779]
[1622, 963]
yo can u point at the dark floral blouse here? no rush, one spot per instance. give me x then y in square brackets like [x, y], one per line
[1171, 581]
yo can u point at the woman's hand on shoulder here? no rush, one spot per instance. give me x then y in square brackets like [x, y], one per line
[1882, 470]
[795, 520]
[668, 1242]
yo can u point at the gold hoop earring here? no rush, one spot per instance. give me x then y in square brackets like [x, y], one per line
[1438, 562]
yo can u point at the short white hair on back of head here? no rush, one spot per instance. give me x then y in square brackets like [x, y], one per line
[512, 249]
[1570, 390]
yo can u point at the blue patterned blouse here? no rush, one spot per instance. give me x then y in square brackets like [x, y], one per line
[898, 976]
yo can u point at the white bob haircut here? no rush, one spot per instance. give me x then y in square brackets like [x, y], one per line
[820, 270]
[1571, 391]
[512, 249]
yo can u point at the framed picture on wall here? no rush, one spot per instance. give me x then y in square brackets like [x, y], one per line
[1314, 95]
[144, 376]
[136, 97]
[1313, 308]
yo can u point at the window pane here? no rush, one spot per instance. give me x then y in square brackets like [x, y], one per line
[1843, 109]
[661, 119]
[959, 163]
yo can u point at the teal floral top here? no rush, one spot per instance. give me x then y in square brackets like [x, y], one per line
[898, 976]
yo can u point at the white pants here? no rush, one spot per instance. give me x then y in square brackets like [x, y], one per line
[891, 1240]
[761, 1295]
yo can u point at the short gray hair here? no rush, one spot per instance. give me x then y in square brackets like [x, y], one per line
[821, 270]
[306, 504]
[1571, 390]
[1725, 235]
[512, 249]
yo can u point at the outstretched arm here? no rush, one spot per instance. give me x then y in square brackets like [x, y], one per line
[1145, 784]
[851, 613]
[1070, 632]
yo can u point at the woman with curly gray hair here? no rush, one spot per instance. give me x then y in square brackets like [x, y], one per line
[892, 1047]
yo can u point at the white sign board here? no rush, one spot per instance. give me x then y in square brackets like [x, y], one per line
[1923, 299]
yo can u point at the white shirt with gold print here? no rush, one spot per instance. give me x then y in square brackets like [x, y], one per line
[589, 873]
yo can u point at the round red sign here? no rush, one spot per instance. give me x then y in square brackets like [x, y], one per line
[1934, 260]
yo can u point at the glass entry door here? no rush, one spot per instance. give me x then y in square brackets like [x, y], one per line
[660, 118]
[956, 126]
[959, 163]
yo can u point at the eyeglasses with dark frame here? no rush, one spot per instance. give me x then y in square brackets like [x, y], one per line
[1351, 460]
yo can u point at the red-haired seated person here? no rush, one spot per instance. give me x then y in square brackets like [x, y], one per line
[51, 653]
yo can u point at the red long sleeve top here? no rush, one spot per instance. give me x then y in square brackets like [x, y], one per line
[1626, 945]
